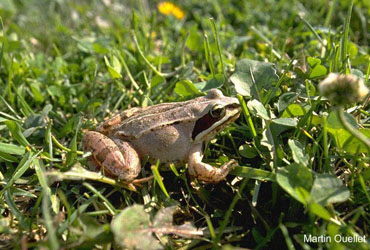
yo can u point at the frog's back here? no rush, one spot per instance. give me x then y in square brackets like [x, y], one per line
[155, 117]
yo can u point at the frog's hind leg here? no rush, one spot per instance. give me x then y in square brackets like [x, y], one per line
[114, 157]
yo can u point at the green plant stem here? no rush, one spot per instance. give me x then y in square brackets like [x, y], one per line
[330, 12]
[312, 29]
[248, 116]
[199, 209]
[106, 202]
[366, 82]
[325, 144]
[141, 53]
[48, 220]
[143, 56]
[272, 92]
[208, 55]
[266, 40]
[183, 50]
[352, 130]
[59, 145]
[227, 216]
[215, 34]
[345, 38]
[123, 62]
[158, 178]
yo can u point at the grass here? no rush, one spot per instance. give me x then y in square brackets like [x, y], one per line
[67, 65]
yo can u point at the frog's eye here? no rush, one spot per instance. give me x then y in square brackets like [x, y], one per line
[217, 111]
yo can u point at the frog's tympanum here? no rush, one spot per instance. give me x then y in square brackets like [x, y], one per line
[169, 132]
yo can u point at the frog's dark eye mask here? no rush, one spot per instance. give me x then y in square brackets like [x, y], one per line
[214, 118]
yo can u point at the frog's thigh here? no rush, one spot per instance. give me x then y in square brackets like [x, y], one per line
[203, 171]
[114, 157]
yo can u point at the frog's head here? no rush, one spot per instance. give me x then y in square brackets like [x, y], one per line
[213, 113]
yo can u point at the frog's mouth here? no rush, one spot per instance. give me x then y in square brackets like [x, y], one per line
[207, 126]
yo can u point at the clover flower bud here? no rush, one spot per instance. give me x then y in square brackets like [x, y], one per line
[343, 89]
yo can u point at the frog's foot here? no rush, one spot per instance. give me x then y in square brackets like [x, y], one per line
[142, 180]
[137, 183]
[209, 174]
[205, 172]
[113, 157]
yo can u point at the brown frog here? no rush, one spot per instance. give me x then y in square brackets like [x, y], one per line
[169, 132]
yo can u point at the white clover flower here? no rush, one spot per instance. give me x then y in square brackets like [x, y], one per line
[343, 89]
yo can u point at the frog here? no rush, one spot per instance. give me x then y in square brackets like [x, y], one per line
[173, 133]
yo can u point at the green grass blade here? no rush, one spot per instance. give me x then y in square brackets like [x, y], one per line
[17, 118]
[16, 131]
[287, 238]
[2, 44]
[78, 173]
[158, 179]
[253, 173]
[48, 221]
[208, 55]
[330, 12]
[24, 107]
[81, 209]
[318, 37]
[49, 140]
[72, 155]
[20, 170]
[227, 216]
[345, 38]
[12, 149]
[141, 53]
[106, 203]
[40, 172]
[247, 116]
[217, 39]
[14, 209]
[7, 157]
[367, 72]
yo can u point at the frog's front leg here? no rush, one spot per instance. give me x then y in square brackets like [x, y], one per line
[114, 157]
[205, 172]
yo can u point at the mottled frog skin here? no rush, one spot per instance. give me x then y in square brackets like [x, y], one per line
[169, 132]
